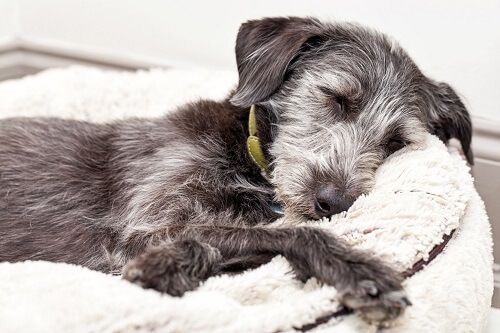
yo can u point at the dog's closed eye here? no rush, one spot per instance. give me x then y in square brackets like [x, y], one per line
[336, 102]
[393, 145]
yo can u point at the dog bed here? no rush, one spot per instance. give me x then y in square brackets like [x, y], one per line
[423, 217]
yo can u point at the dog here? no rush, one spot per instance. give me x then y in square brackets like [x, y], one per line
[172, 201]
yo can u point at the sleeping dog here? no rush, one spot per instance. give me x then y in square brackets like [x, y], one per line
[172, 201]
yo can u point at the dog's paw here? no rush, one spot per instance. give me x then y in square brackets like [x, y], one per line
[374, 305]
[173, 268]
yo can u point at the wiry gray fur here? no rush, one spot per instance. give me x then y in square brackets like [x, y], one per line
[181, 195]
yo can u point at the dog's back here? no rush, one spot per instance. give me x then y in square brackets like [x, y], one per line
[54, 184]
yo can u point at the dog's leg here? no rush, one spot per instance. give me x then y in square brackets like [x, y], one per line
[364, 283]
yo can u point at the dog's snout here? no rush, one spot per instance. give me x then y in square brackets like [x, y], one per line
[330, 201]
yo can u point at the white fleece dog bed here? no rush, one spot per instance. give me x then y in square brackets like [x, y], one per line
[422, 196]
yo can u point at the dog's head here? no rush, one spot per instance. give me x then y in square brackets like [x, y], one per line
[344, 98]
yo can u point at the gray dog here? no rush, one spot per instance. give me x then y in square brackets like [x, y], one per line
[172, 201]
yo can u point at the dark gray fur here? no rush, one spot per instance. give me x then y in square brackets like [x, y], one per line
[180, 194]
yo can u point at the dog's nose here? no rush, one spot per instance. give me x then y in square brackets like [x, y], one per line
[330, 201]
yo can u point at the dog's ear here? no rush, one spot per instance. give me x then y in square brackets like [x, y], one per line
[450, 119]
[264, 51]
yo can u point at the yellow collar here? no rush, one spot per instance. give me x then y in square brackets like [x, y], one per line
[253, 143]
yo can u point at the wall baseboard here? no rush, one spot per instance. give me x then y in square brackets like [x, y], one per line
[486, 139]
[33, 57]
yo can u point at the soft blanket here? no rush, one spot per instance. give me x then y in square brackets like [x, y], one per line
[423, 217]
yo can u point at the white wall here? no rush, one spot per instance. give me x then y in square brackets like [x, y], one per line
[457, 41]
[8, 20]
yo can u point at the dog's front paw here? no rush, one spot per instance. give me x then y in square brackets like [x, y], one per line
[374, 302]
[175, 267]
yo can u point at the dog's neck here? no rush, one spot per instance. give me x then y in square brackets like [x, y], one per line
[253, 142]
